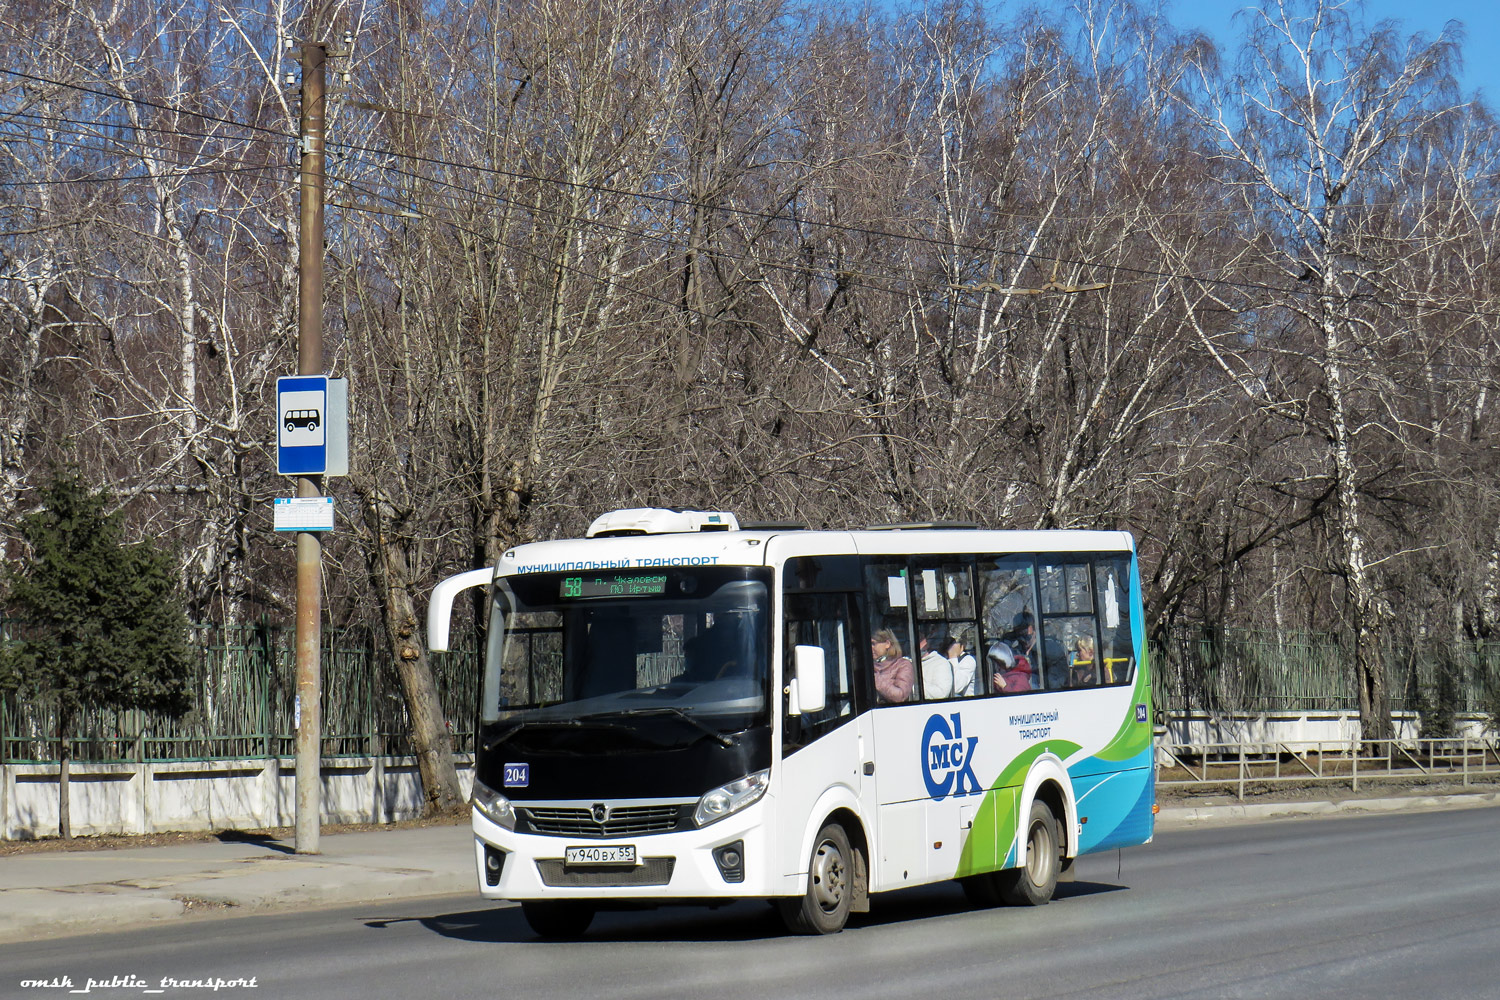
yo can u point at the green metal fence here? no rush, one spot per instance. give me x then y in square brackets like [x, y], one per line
[244, 684]
[1241, 670]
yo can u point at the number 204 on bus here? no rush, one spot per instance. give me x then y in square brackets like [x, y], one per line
[680, 708]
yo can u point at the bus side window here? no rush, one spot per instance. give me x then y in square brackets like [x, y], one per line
[943, 606]
[821, 620]
[888, 598]
[1069, 656]
[1116, 643]
[1007, 609]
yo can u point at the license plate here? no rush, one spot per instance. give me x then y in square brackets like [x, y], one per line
[623, 854]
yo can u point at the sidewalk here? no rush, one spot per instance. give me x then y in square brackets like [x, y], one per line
[1180, 815]
[58, 893]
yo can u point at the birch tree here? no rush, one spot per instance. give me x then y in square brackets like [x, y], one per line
[1309, 129]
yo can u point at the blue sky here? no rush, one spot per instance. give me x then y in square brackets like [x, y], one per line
[1480, 19]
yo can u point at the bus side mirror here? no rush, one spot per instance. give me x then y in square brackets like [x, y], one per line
[810, 692]
[440, 611]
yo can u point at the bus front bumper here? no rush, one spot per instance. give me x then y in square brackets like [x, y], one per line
[683, 864]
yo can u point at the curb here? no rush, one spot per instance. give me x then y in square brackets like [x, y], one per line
[1179, 817]
[41, 914]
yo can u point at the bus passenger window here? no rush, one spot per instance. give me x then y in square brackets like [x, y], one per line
[892, 646]
[943, 606]
[1076, 635]
[1067, 617]
[1117, 646]
[1007, 604]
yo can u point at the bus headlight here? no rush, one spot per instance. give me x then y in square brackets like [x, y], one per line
[726, 800]
[493, 806]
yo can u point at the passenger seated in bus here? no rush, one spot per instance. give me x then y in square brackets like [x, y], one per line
[1081, 670]
[1011, 672]
[1054, 658]
[937, 672]
[962, 662]
[894, 675]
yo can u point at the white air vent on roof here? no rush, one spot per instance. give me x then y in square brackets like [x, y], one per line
[656, 521]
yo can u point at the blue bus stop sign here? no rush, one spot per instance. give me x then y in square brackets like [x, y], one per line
[302, 425]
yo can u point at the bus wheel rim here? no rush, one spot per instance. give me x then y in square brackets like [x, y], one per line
[828, 876]
[1039, 854]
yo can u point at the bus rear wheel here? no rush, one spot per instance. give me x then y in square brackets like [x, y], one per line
[1033, 883]
[824, 907]
[554, 919]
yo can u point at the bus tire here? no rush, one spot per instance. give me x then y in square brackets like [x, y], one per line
[558, 919]
[1033, 883]
[824, 907]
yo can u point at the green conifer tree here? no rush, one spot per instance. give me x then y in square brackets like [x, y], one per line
[102, 620]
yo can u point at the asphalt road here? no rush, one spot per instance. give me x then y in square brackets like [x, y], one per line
[1372, 906]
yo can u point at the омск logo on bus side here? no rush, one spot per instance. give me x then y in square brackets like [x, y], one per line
[948, 758]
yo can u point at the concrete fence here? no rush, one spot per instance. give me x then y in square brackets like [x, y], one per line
[1190, 728]
[259, 792]
[247, 794]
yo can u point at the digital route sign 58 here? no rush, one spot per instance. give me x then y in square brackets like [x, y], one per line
[612, 585]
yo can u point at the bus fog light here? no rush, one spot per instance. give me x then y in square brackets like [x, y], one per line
[493, 806]
[731, 861]
[726, 800]
[494, 864]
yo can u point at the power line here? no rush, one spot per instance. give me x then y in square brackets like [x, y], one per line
[1356, 365]
[846, 274]
[177, 157]
[192, 172]
[102, 130]
[145, 103]
[950, 245]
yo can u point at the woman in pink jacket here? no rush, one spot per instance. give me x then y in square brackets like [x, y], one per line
[893, 672]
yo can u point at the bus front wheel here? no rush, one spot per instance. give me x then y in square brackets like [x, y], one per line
[558, 919]
[824, 907]
[1033, 883]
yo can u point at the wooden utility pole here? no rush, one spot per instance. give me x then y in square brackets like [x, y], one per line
[309, 545]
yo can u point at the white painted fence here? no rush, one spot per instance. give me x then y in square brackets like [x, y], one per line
[257, 793]
[1198, 728]
[254, 793]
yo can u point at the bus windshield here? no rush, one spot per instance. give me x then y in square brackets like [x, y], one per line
[608, 647]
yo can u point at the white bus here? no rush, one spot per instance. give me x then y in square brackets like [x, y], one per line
[678, 708]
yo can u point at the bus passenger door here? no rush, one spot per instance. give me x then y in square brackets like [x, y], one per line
[823, 753]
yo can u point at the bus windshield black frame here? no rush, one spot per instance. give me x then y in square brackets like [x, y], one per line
[633, 643]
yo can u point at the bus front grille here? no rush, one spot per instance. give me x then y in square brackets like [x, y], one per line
[623, 821]
[652, 871]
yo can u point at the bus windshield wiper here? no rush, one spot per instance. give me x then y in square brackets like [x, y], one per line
[591, 721]
[521, 724]
[672, 710]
